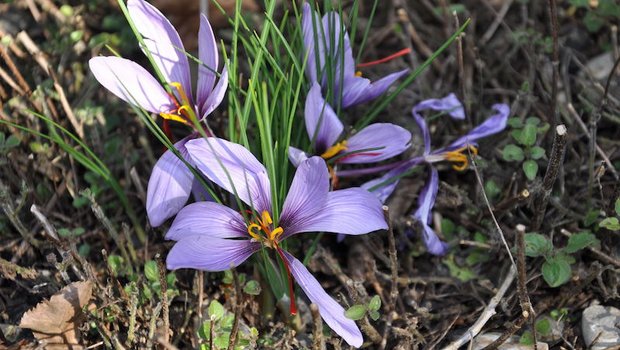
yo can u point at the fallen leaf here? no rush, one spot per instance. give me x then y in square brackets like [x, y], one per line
[55, 322]
[184, 15]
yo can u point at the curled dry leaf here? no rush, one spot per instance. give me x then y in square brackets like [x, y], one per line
[184, 16]
[55, 322]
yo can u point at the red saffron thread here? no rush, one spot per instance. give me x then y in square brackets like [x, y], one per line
[385, 59]
[291, 292]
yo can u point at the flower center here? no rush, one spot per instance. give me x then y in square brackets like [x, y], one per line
[459, 158]
[261, 230]
[335, 149]
[183, 113]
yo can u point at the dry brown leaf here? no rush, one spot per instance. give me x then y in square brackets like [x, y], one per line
[55, 322]
[184, 16]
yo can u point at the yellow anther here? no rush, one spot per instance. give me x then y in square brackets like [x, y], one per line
[174, 117]
[275, 234]
[335, 149]
[184, 99]
[459, 158]
[266, 218]
[358, 73]
[253, 230]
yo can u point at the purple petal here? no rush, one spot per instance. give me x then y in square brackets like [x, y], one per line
[383, 186]
[358, 91]
[218, 159]
[207, 219]
[206, 253]
[163, 41]
[354, 91]
[339, 53]
[331, 312]
[296, 156]
[131, 83]
[492, 125]
[311, 31]
[391, 140]
[169, 185]
[216, 96]
[353, 211]
[426, 201]
[208, 55]
[322, 123]
[449, 104]
[307, 195]
[200, 193]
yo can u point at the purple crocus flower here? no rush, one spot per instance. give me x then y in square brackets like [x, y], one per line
[328, 47]
[455, 152]
[374, 143]
[213, 237]
[171, 181]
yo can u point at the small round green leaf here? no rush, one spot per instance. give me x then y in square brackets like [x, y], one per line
[556, 270]
[528, 134]
[150, 271]
[375, 303]
[252, 287]
[374, 315]
[537, 152]
[513, 153]
[579, 241]
[356, 312]
[611, 224]
[537, 245]
[216, 310]
[515, 122]
[530, 168]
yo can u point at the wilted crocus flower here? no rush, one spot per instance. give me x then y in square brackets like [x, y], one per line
[374, 143]
[456, 152]
[213, 237]
[171, 181]
[328, 47]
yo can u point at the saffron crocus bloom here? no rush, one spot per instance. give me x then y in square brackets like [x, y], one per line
[374, 143]
[328, 47]
[456, 152]
[213, 237]
[171, 181]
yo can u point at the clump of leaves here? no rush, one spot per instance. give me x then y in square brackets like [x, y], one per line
[598, 13]
[215, 331]
[556, 269]
[525, 150]
[612, 223]
[358, 311]
[250, 287]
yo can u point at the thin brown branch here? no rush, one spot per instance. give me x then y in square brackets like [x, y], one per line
[555, 162]
[163, 282]
[238, 309]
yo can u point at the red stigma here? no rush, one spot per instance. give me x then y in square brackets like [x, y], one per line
[291, 291]
[385, 59]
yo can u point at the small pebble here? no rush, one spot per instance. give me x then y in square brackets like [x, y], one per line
[600, 326]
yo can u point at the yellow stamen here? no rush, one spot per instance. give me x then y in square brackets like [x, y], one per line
[174, 117]
[335, 149]
[358, 73]
[459, 158]
[253, 229]
[184, 99]
[275, 234]
[266, 218]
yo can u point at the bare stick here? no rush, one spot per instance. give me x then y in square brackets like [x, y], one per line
[9, 62]
[318, 343]
[499, 18]
[555, 59]
[391, 305]
[238, 309]
[555, 162]
[509, 332]
[488, 312]
[163, 282]
[571, 110]
[524, 298]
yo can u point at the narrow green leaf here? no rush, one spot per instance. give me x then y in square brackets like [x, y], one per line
[617, 206]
